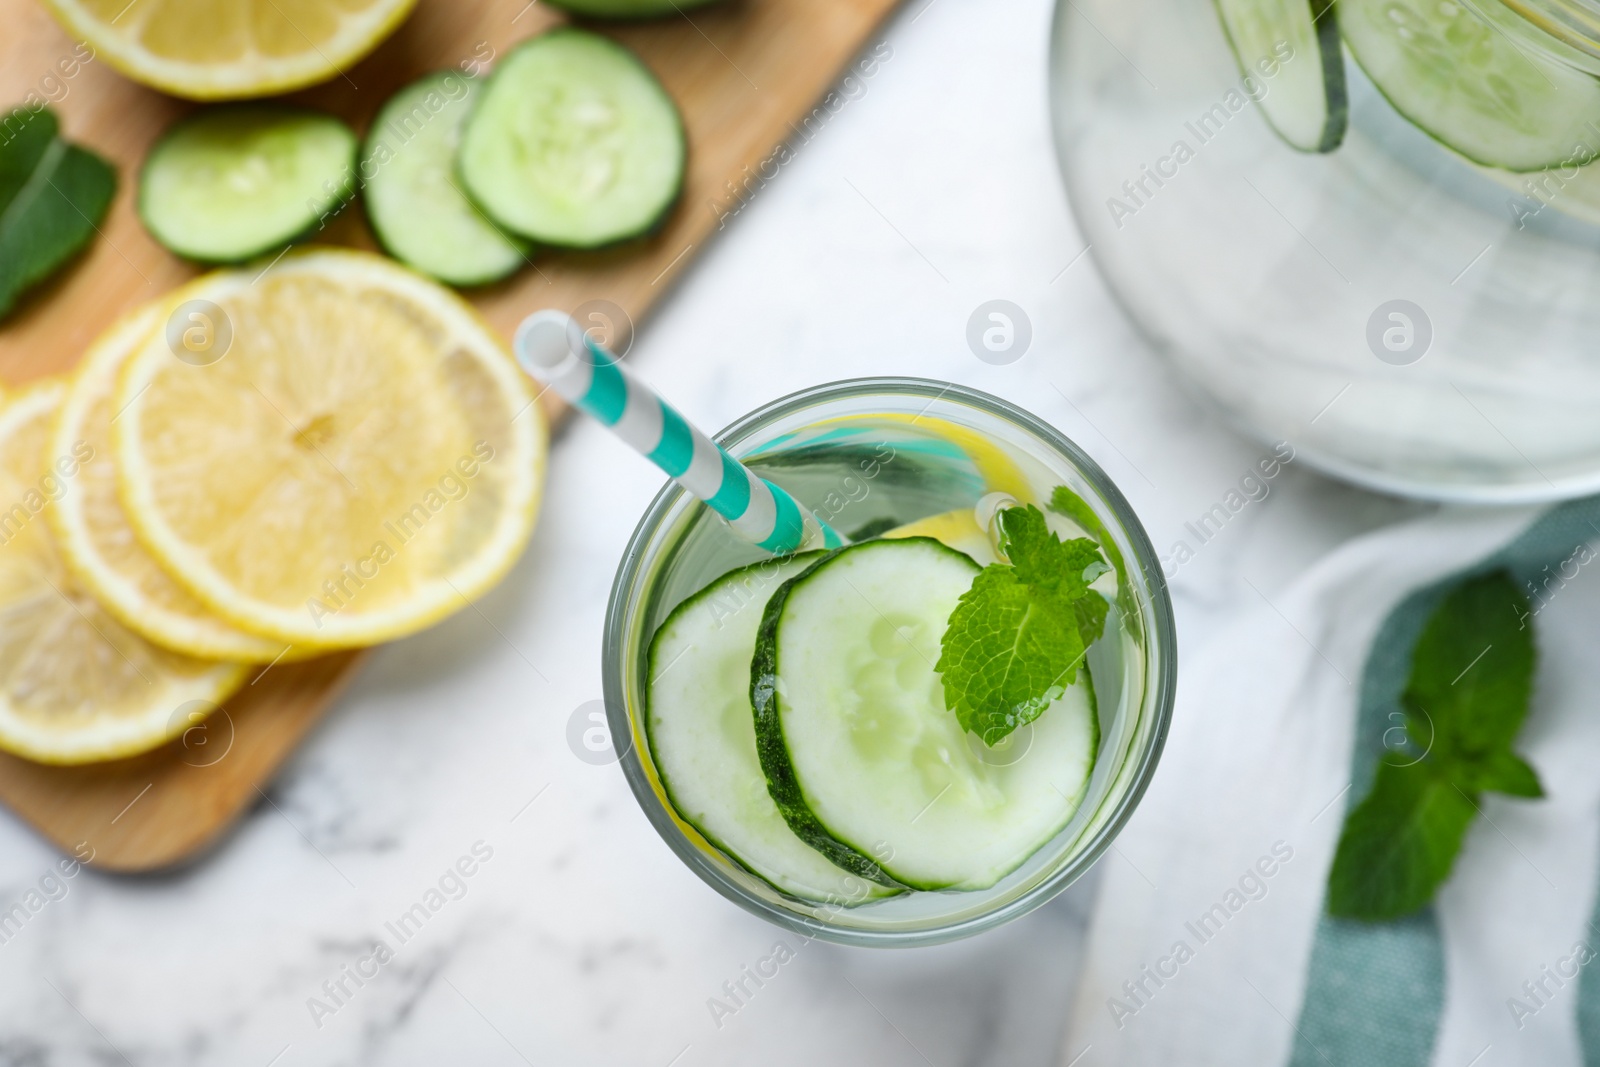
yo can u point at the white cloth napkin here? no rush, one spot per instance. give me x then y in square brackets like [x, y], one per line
[1228, 854]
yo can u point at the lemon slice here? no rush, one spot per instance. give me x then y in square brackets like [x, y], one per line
[957, 529]
[93, 532]
[354, 457]
[75, 685]
[224, 49]
[1000, 473]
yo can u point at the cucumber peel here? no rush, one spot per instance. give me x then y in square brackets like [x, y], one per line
[1457, 74]
[701, 733]
[863, 759]
[782, 781]
[413, 199]
[573, 142]
[1291, 49]
[230, 183]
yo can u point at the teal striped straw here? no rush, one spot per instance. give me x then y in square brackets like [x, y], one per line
[552, 347]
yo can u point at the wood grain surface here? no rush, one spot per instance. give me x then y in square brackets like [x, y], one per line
[745, 73]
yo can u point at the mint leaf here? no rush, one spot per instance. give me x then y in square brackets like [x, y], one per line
[1465, 701]
[1016, 637]
[53, 195]
[1090, 612]
[1503, 772]
[1472, 671]
[1045, 562]
[1070, 505]
[1398, 844]
[1006, 655]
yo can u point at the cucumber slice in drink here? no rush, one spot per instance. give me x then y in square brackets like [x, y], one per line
[573, 142]
[1458, 74]
[414, 202]
[628, 9]
[861, 755]
[229, 183]
[1291, 49]
[703, 741]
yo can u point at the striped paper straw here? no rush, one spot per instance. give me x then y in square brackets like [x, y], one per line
[552, 347]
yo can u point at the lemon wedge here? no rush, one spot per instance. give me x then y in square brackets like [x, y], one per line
[93, 531]
[224, 49]
[75, 685]
[347, 457]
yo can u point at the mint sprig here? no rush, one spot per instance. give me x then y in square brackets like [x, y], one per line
[1016, 638]
[1064, 502]
[1465, 701]
[53, 195]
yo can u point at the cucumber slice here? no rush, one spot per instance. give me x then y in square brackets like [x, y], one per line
[861, 755]
[628, 9]
[703, 741]
[416, 207]
[229, 183]
[573, 142]
[1291, 49]
[1457, 74]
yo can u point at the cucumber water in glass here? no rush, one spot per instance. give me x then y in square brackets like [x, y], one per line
[1368, 227]
[815, 734]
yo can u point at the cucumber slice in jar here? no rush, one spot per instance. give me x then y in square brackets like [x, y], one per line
[415, 205]
[1458, 74]
[701, 732]
[230, 183]
[573, 142]
[1291, 49]
[861, 755]
[628, 9]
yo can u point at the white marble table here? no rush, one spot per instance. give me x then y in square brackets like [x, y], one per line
[581, 940]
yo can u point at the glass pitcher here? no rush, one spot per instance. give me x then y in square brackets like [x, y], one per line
[1370, 228]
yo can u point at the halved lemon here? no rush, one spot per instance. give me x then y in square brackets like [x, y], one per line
[353, 456]
[75, 685]
[225, 49]
[93, 532]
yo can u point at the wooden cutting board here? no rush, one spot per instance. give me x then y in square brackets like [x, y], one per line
[746, 73]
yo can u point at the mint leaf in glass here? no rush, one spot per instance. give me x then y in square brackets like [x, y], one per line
[1070, 505]
[1016, 638]
[1465, 701]
[53, 196]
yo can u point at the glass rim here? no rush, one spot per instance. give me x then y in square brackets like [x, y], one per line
[1575, 23]
[1158, 700]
